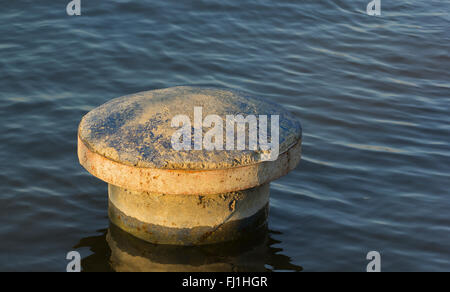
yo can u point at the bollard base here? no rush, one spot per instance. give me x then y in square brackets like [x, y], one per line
[189, 219]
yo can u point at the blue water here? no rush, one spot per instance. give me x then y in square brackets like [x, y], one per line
[372, 94]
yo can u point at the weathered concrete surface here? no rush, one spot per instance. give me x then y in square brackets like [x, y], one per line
[136, 130]
[188, 219]
[167, 181]
[188, 211]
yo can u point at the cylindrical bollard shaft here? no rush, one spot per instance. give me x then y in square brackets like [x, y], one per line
[188, 219]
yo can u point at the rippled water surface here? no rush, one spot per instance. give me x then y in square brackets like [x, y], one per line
[372, 94]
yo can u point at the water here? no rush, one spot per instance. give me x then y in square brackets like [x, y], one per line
[372, 94]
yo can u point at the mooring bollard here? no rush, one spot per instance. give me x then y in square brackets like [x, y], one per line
[186, 165]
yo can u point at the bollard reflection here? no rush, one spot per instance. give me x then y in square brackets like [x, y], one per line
[129, 253]
[116, 250]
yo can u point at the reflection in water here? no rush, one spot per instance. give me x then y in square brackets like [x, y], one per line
[116, 250]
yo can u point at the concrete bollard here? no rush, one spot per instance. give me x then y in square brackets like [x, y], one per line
[186, 165]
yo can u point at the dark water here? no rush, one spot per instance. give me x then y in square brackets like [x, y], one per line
[372, 94]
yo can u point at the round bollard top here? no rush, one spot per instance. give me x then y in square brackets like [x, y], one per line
[156, 141]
